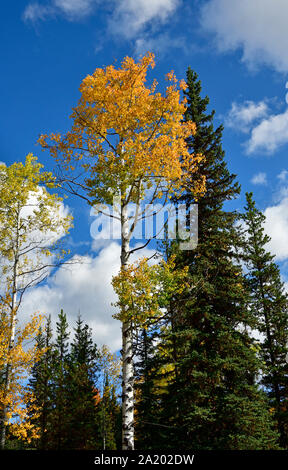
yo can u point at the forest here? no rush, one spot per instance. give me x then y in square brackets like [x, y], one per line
[204, 357]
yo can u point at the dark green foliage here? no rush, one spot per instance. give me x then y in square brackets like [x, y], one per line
[60, 395]
[149, 385]
[268, 304]
[202, 381]
[65, 382]
[213, 401]
[41, 385]
[82, 376]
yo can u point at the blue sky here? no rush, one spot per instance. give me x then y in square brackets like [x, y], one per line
[239, 50]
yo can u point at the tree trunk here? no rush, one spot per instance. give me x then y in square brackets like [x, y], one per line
[127, 353]
[7, 372]
[12, 335]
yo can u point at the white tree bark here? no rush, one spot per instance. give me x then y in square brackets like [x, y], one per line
[7, 373]
[127, 352]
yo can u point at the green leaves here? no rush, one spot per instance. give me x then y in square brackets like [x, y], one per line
[32, 220]
[144, 290]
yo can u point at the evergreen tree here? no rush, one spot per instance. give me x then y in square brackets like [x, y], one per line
[84, 427]
[269, 305]
[115, 414]
[73, 414]
[148, 387]
[216, 362]
[40, 384]
[59, 436]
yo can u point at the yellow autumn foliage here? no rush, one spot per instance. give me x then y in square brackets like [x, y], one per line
[17, 400]
[124, 132]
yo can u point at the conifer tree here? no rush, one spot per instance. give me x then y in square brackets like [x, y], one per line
[84, 429]
[60, 392]
[40, 384]
[221, 406]
[268, 303]
[72, 411]
[147, 398]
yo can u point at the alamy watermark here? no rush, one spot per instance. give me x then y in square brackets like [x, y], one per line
[146, 222]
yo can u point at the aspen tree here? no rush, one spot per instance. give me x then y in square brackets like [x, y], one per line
[31, 225]
[129, 140]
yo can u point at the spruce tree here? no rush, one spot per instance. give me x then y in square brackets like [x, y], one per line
[268, 304]
[216, 363]
[60, 415]
[148, 387]
[84, 426]
[40, 384]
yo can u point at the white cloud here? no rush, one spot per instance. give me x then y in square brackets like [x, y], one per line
[283, 176]
[75, 8]
[86, 288]
[132, 16]
[59, 213]
[276, 226]
[32, 259]
[242, 116]
[35, 12]
[259, 178]
[71, 9]
[270, 134]
[128, 17]
[258, 27]
[159, 44]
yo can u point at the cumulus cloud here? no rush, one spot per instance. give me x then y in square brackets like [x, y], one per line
[36, 12]
[59, 213]
[243, 115]
[159, 44]
[71, 9]
[75, 7]
[259, 178]
[276, 226]
[33, 261]
[132, 16]
[257, 27]
[268, 131]
[269, 135]
[283, 176]
[83, 287]
[128, 17]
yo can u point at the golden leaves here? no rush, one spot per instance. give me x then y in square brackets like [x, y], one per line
[110, 364]
[17, 398]
[124, 127]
